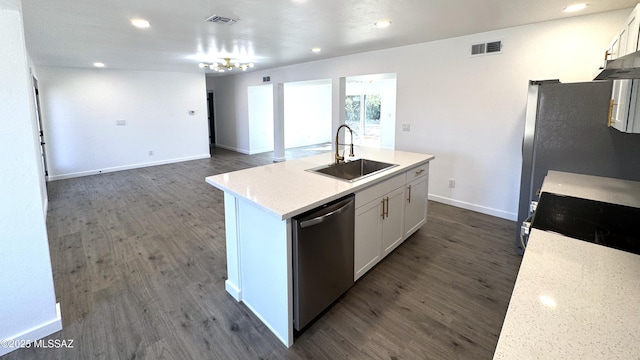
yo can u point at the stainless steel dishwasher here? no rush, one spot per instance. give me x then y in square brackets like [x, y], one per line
[322, 258]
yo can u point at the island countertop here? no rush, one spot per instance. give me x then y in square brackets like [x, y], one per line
[574, 299]
[286, 189]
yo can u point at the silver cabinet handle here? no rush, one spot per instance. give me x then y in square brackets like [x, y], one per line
[418, 172]
[409, 199]
[382, 213]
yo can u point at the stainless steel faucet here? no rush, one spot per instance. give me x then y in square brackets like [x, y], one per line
[338, 156]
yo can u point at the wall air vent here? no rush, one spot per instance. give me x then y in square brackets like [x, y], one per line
[478, 49]
[217, 19]
[493, 47]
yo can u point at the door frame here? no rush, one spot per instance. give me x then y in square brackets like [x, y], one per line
[36, 94]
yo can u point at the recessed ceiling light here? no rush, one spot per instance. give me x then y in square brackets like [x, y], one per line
[383, 23]
[316, 50]
[98, 64]
[140, 23]
[575, 7]
[547, 301]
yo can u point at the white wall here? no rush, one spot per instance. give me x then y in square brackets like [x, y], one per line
[80, 108]
[260, 118]
[27, 299]
[469, 112]
[307, 113]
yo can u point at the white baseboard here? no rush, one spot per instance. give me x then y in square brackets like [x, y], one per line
[241, 151]
[35, 333]
[260, 151]
[475, 207]
[233, 290]
[126, 167]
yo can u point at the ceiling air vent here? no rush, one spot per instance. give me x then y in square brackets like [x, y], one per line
[493, 47]
[220, 20]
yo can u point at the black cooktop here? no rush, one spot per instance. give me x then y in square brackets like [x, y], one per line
[612, 225]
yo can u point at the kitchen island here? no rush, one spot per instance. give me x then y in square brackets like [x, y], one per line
[575, 299]
[259, 205]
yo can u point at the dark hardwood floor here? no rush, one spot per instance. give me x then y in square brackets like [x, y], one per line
[139, 266]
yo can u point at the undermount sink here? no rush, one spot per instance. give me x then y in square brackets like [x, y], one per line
[353, 170]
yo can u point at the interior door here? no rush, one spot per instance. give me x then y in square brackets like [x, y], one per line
[212, 124]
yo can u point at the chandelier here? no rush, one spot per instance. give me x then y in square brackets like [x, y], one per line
[226, 66]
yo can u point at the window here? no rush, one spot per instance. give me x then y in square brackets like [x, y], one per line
[370, 109]
[363, 117]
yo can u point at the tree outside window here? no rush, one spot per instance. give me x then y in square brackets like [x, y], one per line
[363, 120]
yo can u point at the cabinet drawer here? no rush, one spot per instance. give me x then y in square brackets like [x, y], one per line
[375, 191]
[417, 172]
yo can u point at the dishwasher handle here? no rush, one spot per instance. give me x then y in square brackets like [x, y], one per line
[341, 207]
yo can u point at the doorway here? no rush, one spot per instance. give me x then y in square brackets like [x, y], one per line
[212, 122]
[370, 109]
[40, 128]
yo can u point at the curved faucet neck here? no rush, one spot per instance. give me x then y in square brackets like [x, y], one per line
[339, 157]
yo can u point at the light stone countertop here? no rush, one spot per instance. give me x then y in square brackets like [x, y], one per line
[574, 299]
[286, 189]
[614, 191]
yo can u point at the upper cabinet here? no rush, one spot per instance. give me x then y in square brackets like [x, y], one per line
[624, 110]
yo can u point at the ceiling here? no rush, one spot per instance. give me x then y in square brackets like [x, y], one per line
[269, 33]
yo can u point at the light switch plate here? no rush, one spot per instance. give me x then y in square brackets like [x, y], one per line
[406, 127]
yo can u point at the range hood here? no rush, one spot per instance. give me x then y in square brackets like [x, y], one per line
[625, 67]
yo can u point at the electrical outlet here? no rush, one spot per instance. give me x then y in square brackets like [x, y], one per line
[452, 183]
[121, 122]
[406, 127]
[150, 152]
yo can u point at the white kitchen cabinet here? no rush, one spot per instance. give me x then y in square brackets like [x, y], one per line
[378, 230]
[386, 214]
[378, 223]
[368, 237]
[415, 213]
[392, 229]
[624, 112]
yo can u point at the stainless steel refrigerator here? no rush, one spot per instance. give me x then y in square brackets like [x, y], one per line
[566, 130]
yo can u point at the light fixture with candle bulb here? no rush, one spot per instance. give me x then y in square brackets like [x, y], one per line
[226, 65]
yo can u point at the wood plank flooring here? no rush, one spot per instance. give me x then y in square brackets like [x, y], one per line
[139, 266]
